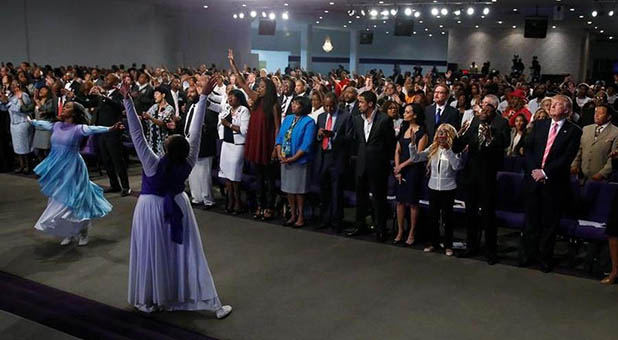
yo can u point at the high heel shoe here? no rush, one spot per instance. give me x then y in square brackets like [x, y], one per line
[289, 222]
[609, 280]
[409, 244]
[267, 215]
[257, 214]
[398, 242]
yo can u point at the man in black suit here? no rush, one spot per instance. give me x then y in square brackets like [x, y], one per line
[486, 138]
[200, 179]
[550, 149]
[300, 88]
[374, 135]
[332, 159]
[439, 112]
[179, 97]
[109, 111]
[143, 94]
[287, 87]
[350, 102]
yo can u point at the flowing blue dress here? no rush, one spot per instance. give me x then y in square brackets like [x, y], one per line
[63, 176]
[167, 266]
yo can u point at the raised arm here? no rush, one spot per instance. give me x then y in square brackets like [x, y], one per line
[88, 130]
[149, 159]
[240, 78]
[195, 130]
[416, 156]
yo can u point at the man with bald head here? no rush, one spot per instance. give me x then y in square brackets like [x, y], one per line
[108, 101]
[550, 149]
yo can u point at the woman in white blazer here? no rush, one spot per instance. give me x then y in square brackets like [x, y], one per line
[233, 125]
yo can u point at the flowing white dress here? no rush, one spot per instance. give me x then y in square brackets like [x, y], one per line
[164, 275]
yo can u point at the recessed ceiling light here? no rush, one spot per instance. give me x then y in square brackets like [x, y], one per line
[272, 16]
[426, 29]
[349, 21]
[581, 16]
[500, 22]
[321, 18]
[514, 26]
[476, 26]
[317, 22]
[381, 2]
[384, 21]
[408, 11]
[459, 21]
[417, 14]
[331, 3]
[386, 32]
[253, 14]
[375, 26]
[441, 26]
[344, 26]
[358, 17]
[444, 11]
[205, 6]
[325, 11]
[594, 13]
[443, 32]
[235, 16]
[572, 9]
[482, 17]
[589, 22]
[420, 21]
[244, 5]
[285, 4]
[514, 9]
[601, 31]
[434, 11]
[611, 13]
[486, 10]
[414, 32]
[611, 37]
[470, 10]
[241, 15]
[553, 26]
[430, 35]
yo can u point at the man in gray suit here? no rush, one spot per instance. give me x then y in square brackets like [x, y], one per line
[440, 113]
[597, 142]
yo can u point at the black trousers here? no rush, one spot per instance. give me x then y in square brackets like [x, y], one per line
[441, 203]
[481, 193]
[331, 191]
[112, 156]
[543, 212]
[377, 185]
[265, 191]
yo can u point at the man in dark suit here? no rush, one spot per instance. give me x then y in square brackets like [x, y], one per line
[285, 100]
[300, 88]
[486, 139]
[374, 135]
[143, 94]
[549, 151]
[332, 158]
[350, 102]
[200, 179]
[179, 97]
[440, 112]
[109, 111]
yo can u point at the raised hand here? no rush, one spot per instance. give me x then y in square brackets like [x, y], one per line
[117, 127]
[206, 90]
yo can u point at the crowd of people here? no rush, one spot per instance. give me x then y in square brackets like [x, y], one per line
[431, 133]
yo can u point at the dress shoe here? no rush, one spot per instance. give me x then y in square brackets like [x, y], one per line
[355, 232]
[428, 249]
[110, 190]
[322, 226]
[609, 280]
[125, 192]
[398, 242]
[83, 240]
[66, 241]
[409, 245]
[208, 206]
[492, 259]
[381, 236]
[223, 311]
[546, 267]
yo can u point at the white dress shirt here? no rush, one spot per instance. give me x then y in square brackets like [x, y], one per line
[368, 123]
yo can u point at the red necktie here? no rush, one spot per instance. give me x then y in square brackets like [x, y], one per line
[550, 142]
[329, 126]
[59, 106]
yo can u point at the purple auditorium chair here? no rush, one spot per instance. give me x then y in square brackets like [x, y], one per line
[510, 207]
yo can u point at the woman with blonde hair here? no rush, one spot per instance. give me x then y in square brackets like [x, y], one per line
[443, 165]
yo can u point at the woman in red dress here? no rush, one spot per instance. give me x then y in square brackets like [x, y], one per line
[260, 142]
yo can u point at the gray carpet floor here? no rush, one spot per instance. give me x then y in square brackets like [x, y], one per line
[296, 284]
[14, 327]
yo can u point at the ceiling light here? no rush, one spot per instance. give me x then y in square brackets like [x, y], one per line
[349, 21]
[321, 18]
[572, 9]
[420, 21]
[441, 26]
[470, 10]
[362, 12]
[500, 22]
[407, 11]
[241, 15]
[482, 17]
[611, 13]
[386, 32]
[351, 12]
[331, 3]
[381, 2]
[494, 0]
[589, 22]
[486, 10]
[581, 16]
[285, 16]
[611, 37]
[272, 16]
[596, 27]
[430, 35]
[554, 27]
[457, 12]
[459, 21]
[426, 29]
[434, 11]
[263, 14]
[417, 14]
[601, 31]
[326, 11]
[444, 11]
[514, 26]
[384, 22]
[344, 26]
[244, 5]
[375, 26]
[384, 13]
[393, 12]
[595, 13]
[235, 16]
[373, 12]
[205, 6]
[414, 32]
[476, 26]
[514, 9]
[253, 14]
[285, 4]
[317, 22]
[443, 32]
[357, 17]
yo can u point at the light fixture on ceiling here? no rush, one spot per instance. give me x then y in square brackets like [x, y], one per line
[272, 16]
[572, 9]
[514, 9]
[434, 11]
[362, 12]
[373, 12]
[611, 13]
[417, 14]
[264, 14]
[206, 6]
[500, 22]
[253, 14]
[241, 15]
[331, 3]
[351, 12]
[444, 11]
[457, 12]
[470, 11]
[476, 26]
[285, 16]
[407, 11]
[328, 45]
[235, 16]
[485, 10]
[611, 37]
[384, 13]
[601, 31]
[594, 13]
[393, 11]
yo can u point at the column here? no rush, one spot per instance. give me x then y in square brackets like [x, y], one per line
[354, 41]
[306, 34]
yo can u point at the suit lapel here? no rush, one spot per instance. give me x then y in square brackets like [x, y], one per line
[601, 136]
[337, 121]
[373, 126]
[563, 133]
